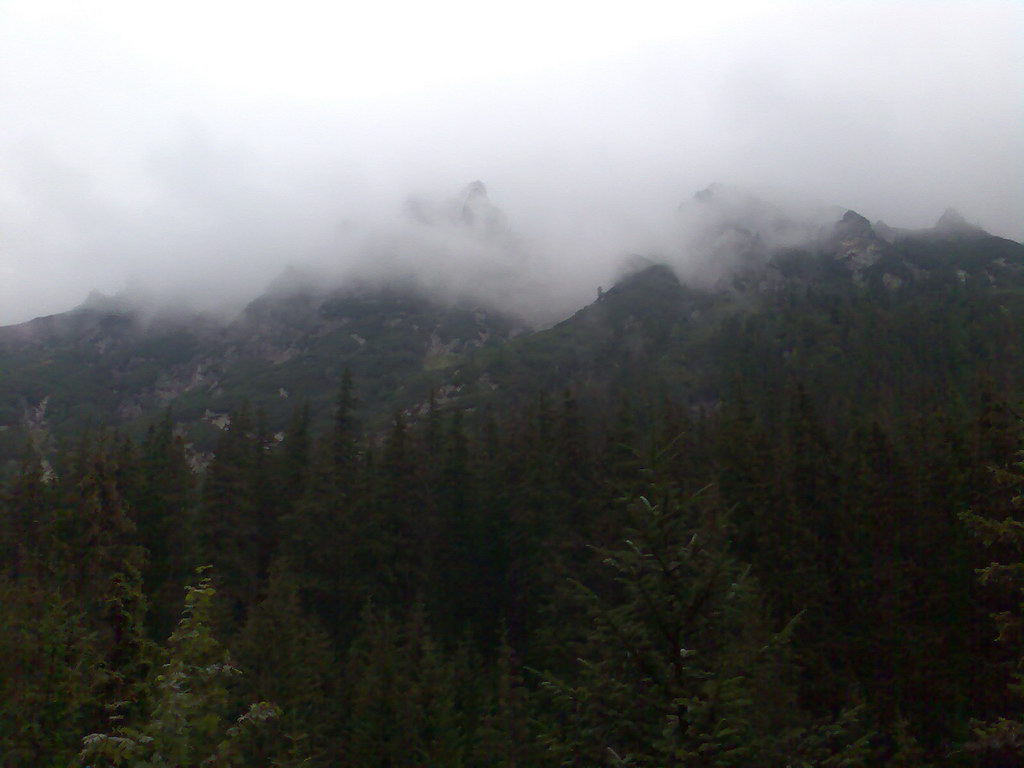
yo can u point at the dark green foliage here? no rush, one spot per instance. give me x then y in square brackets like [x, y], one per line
[503, 739]
[28, 520]
[51, 675]
[160, 491]
[287, 658]
[187, 721]
[397, 674]
[483, 526]
[1000, 741]
[390, 558]
[680, 666]
[236, 522]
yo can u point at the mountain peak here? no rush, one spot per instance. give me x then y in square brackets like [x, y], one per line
[852, 216]
[471, 208]
[951, 222]
[709, 193]
[855, 243]
[476, 211]
[951, 218]
[475, 189]
[853, 224]
[96, 299]
[102, 302]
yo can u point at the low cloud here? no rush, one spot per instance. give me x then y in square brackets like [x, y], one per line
[194, 167]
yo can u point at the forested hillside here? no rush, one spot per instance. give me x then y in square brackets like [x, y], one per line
[728, 526]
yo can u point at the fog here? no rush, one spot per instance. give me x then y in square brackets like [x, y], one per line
[188, 152]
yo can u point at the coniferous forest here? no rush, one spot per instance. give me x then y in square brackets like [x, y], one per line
[818, 566]
[693, 438]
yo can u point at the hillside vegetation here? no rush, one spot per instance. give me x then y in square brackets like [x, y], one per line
[769, 521]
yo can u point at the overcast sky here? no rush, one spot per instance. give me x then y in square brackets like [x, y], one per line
[205, 144]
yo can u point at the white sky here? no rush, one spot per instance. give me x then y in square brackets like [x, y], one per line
[206, 144]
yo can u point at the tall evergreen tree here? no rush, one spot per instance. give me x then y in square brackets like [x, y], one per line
[344, 435]
[51, 674]
[404, 693]
[187, 721]
[229, 523]
[1000, 740]
[287, 658]
[679, 666]
[161, 494]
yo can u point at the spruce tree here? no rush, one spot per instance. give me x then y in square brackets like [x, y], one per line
[680, 665]
[1000, 740]
[404, 693]
[286, 658]
[51, 674]
[188, 719]
[236, 512]
[161, 495]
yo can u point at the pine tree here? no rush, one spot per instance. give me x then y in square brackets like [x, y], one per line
[403, 692]
[286, 658]
[27, 520]
[572, 458]
[679, 666]
[399, 530]
[620, 462]
[344, 440]
[229, 519]
[455, 553]
[293, 461]
[51, 675]
[187, 719]
[161, 496]
[1000, 741]
[505, 741]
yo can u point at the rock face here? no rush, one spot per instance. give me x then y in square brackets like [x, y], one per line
[853, 225]
[478, 213]
[737, 242]
[855, 244]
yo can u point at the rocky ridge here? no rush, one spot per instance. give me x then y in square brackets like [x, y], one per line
[109, 362]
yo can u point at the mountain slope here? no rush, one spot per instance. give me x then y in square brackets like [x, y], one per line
[114, 366]
[909, 318]
[859, 311]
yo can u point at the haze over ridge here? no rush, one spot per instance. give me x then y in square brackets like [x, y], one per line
[199, 159]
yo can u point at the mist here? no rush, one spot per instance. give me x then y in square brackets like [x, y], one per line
[187, 154]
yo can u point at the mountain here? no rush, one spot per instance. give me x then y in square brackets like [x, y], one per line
[855, 314]
[117, 366]
[782, 289]
[736, 240]
[770, 450]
